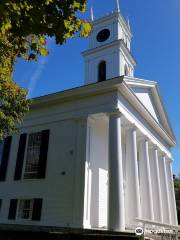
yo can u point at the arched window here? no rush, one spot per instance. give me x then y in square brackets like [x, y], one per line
[102, 71]
[126, 71]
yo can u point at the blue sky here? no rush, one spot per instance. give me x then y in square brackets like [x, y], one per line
[156, 47]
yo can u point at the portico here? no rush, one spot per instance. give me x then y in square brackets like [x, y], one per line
[139, 176]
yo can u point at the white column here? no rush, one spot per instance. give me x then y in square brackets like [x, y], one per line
[164, 190]
[132, 178]
[145, 180]
[156, 188]
[171, 192]
[88, 181]
[79, 169]
[116, 216]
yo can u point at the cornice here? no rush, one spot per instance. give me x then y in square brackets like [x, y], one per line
[77, 93]
[110, 16]
[132, 81]
[119, 43]
[165, 117]
[101, 48]
[115, 84]
[105, 18]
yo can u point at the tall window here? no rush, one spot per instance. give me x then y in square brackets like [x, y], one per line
[126, 71]
[32, 155]
[102, 71]
[25, 209]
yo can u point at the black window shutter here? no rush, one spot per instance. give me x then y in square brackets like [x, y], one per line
[37, 207]
[20, 156]
[12, 209]
[5, 158]
[43, 154]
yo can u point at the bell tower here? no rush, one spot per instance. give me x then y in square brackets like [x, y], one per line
[109, 53]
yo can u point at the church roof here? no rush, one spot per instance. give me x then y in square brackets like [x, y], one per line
[128, 87]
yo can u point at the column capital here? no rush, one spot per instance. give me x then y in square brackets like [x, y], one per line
[169, 160]
[153, 146]
[114, 113]
[161, 153]
[143, 138]
[164, 155]
[130, 126]
[83, 118]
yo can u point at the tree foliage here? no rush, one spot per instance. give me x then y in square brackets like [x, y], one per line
[177, 183]
[24, 27]
[177, 194]
[13, 103]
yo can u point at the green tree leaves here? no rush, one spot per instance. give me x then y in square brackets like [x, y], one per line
[24, 26]
[13, 105]
[177, 194]
[86, 29]
[177, 182]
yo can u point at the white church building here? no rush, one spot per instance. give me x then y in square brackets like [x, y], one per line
[97, 156]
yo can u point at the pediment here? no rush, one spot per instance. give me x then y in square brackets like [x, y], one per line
[148, 94]
[145, 96]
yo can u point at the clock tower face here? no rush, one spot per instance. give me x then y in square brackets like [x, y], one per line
[103, 35]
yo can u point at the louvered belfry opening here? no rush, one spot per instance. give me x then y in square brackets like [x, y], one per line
[102, 71]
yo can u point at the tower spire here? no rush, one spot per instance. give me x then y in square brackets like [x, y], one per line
[92, 14]
[117, 6]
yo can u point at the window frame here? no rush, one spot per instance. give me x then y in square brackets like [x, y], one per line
[18, 218]
[25, 157]
[102, 65]
[126, 70]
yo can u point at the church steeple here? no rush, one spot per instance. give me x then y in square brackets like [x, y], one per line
[117, 6]
[109, 53]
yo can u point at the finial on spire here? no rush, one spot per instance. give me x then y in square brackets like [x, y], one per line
[92, 14]
[117, 6]
[128, 22]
